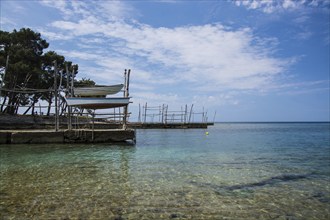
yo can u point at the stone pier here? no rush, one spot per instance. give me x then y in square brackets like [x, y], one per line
[66, 136]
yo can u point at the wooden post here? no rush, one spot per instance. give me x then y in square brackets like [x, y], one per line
[61, 79]
[166, 109]
[145, 113]
[93, 115]
[139, 118]
[203, 115]
[69, 92]
[126, 94]
[192, 105]
[185, 114]
[125, 82]
[55, 94]
[128, 76]
[163, 114]
[181, 115]
[67, 77]
[72, 82]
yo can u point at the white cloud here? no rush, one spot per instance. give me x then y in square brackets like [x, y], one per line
[306, 84]
[304, 35]
[209, 53]
[194, 59]
[79, 54]
[115, 9]
[108, 10]
[61, 5]
[53, 36]
[270, 6]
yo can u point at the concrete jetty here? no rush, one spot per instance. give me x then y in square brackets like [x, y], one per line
[40, 130]
[66, 136]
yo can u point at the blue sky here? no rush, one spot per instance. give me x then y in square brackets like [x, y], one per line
[247, 60]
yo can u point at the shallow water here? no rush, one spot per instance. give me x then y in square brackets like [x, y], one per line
[238, 171]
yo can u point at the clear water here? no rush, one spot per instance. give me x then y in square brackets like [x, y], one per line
[238, 171]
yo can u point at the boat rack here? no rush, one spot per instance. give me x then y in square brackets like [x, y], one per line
[77, 106]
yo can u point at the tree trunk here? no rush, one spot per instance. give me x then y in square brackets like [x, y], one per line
[17, 105]
[3, 104]
[27, 110]
[12, 98]
[33, 108]
[49, 107]
[63, 106]
[10, 109]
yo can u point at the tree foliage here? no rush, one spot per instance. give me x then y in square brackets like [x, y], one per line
[29, 68]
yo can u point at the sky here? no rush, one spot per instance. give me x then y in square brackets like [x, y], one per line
[243, 60]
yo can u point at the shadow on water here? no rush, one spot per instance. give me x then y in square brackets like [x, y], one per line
[272, 181]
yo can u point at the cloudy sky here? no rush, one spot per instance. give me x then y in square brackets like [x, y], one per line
[247, 60]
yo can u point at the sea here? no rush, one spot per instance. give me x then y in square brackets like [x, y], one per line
[228, 171]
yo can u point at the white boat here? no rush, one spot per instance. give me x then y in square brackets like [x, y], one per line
[97, 103]
[97, 91]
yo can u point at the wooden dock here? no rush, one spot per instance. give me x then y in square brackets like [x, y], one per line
[137, 125]
[39, 130]
[73, 125]
[66, 136]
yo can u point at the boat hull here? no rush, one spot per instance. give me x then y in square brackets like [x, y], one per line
[97, 91]
[97, 103]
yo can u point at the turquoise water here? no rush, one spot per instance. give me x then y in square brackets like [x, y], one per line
[238, 171]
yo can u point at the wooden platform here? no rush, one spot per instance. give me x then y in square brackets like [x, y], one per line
[66, 136]
[137, 125]
[28, 122]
